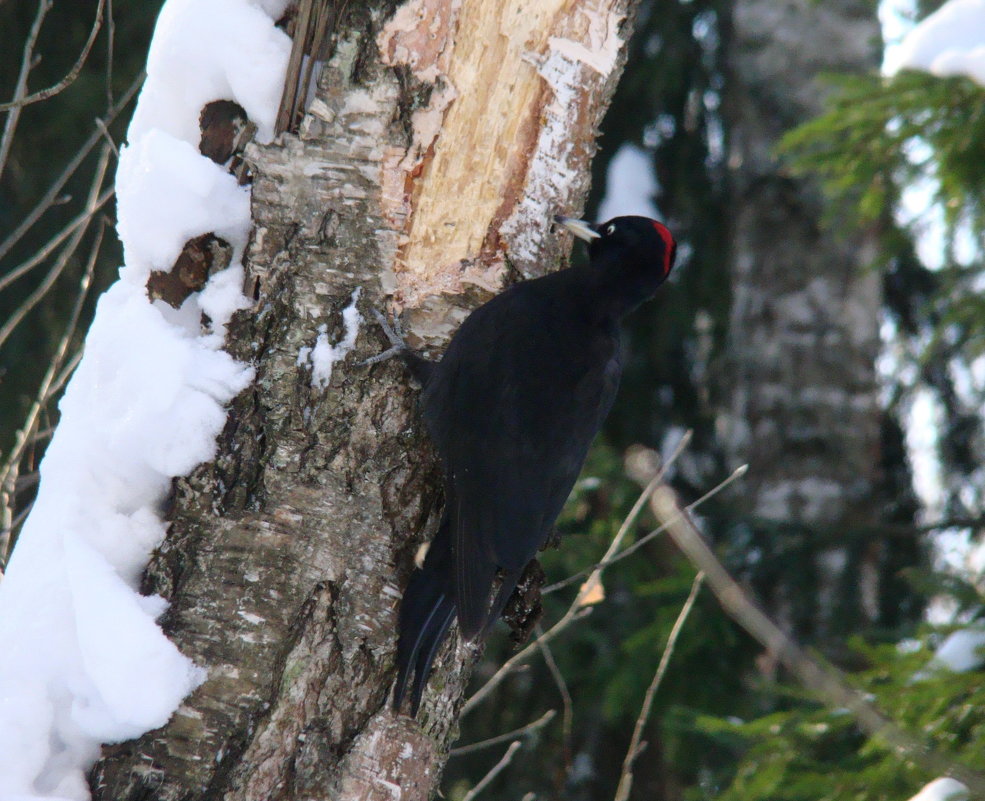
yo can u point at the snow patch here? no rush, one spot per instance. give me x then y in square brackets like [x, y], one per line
[167, 193]
[961, 651]
[630, 185]
[323, 355]
[84, 661]
[951, 41]
[945, 789]
[205, 50]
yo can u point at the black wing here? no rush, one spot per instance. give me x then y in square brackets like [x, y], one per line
[512, 408]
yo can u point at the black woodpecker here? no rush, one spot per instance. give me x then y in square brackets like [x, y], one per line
[512, 407]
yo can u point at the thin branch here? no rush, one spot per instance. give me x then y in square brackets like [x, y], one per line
[829, 683]
[630, 518]
[322, 15]
[635, 745]
[631, 549]
[65, 374]
[51, 383]
[22, 515]
[104, 130]
[523, 731]
[736, 474]
[311, 32]
[45, 251]
[577, 610]
[568, 706]
[42, 435]
[19, 102]
[110, 41]
[644, 496]
[496, 770]
[92, 205]
[20, 90]
[51, 196]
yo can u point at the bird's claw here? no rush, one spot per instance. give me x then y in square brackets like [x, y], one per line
[394, 333]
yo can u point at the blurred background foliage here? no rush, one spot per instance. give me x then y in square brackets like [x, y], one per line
[727, 723]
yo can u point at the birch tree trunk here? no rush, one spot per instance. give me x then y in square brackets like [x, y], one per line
[444, 135]
[803, 334]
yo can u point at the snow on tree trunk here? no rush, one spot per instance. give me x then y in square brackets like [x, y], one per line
[803, 335]
[443, 137]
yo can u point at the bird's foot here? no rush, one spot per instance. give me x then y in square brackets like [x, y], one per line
[394, 333]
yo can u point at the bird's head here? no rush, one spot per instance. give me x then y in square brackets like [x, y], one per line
[630, 246]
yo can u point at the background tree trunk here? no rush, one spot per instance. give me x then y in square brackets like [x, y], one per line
[444, 135]
[803, 331]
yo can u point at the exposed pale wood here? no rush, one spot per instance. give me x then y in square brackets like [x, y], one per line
[287, 555]
[498, 149]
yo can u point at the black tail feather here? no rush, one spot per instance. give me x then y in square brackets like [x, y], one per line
[426, 612]
[443, 615]
[506, 588]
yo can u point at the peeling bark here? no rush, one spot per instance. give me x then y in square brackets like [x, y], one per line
[442, 138]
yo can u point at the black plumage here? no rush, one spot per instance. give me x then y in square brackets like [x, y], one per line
[512, 407]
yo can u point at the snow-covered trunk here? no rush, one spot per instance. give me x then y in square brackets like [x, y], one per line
[444, 135]
[803, 334]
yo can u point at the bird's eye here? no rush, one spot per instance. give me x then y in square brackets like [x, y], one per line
[610, 228]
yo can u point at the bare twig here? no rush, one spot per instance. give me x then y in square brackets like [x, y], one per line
[104, 130]
[52, 244]
[736, 474]
[51, 196]
[577, 609]
[631, 549]
[19, 101]
[562, 686]
[634, 512]
[496, 770]
[21, 517]
[65, 373]
[289, 97]
[829, 683]
[322, 15]
[92, 205]
[42, 435]
[110, 41]
[575, 612]
[635, 745]
[644, 497]
[523, 731]
[51, 383]
[20, 89]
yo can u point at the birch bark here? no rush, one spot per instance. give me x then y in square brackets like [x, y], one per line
[803, 332]
[443, 136]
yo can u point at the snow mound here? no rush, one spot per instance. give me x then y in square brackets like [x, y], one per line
[945, 789]
[951, 41]
[84, 661]
[961, 650]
